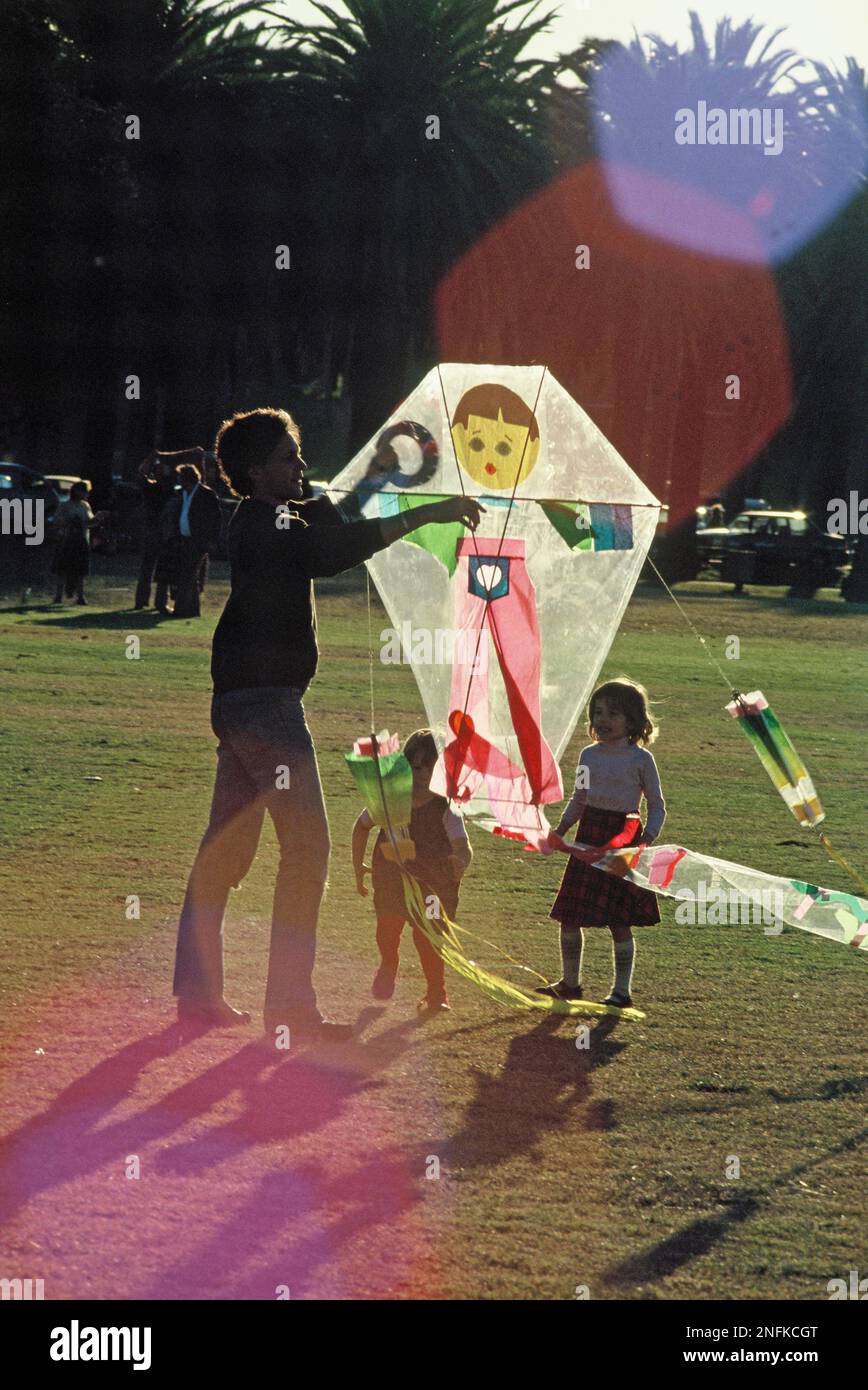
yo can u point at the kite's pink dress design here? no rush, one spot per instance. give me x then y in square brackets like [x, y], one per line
[495, 594]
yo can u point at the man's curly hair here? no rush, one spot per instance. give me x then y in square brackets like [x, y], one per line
[246, 440]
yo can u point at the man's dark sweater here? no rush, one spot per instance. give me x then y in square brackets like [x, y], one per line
[267, 632]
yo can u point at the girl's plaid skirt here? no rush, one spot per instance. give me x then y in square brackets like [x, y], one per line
[590, 897]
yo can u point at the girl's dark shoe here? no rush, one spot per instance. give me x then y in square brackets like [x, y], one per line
[220, 1015]
[618, 1001]
[560, 990]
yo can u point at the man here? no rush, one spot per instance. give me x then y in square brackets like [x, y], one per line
[198, 524]
[264, 657]
[157, 487]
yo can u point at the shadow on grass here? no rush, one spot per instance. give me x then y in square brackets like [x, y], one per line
[121, 619]
[758, 598]
[311, 1215]
[837, 1088]
[543, 1079]
[284, 1097]
[701, 1236]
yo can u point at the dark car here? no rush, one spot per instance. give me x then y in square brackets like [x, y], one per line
[22, 562]
[18, 481]
[768, 547]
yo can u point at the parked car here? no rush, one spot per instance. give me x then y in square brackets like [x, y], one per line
[62, 482]
[770, 547]
[18, 481]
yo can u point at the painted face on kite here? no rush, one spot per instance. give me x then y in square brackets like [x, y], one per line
[496, 436]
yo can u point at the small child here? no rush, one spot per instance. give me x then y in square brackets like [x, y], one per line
[72, 523]
[442, 855]
[613, 775]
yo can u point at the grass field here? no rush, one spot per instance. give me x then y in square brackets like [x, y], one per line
[559, 1167]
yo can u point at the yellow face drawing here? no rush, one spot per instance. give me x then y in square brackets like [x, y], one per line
[492, 451]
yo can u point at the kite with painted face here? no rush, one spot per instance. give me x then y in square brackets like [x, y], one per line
[506, 629]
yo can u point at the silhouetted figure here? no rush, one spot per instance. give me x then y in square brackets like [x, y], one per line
[157, 486]
[72, 523]
[198, 524]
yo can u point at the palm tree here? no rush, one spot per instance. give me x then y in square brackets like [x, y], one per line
[424, 129]
[825, 294]
[682, 292]
[136, 222]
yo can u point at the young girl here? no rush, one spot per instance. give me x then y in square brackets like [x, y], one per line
[614, 773]
[72, 525]
[442, 855]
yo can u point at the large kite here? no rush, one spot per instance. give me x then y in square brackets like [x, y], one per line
[505, 629]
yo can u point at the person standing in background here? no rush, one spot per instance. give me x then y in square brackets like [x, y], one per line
[198, 527]
[157, 486]
[72, 525]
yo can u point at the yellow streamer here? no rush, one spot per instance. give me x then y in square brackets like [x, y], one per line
[445, 941]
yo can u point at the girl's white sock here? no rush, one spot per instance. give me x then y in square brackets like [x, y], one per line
[571, 955]
[624, 953]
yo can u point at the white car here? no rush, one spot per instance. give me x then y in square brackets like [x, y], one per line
[62, 482]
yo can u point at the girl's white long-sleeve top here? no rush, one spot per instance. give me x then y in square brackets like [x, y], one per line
[615, 778]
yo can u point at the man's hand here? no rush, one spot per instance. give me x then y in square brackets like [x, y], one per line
[464, 509]
[360, 881]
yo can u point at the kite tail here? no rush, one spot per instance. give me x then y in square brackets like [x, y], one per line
[672, 871]
[444, 938]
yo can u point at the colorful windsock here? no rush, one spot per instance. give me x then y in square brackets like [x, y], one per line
[778, 756]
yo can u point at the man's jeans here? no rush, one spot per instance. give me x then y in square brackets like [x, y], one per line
[264, 744]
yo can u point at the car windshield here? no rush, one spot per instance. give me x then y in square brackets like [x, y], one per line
[6, 479]
[742, 523]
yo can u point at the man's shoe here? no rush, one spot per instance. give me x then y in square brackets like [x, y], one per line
[308, 1029]
[220, 1015]
[383, 986]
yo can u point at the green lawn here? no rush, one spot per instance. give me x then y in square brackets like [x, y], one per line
[560, 1167]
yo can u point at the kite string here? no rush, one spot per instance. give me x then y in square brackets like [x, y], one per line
[697, 634]
[370, 646]
[812, 824]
